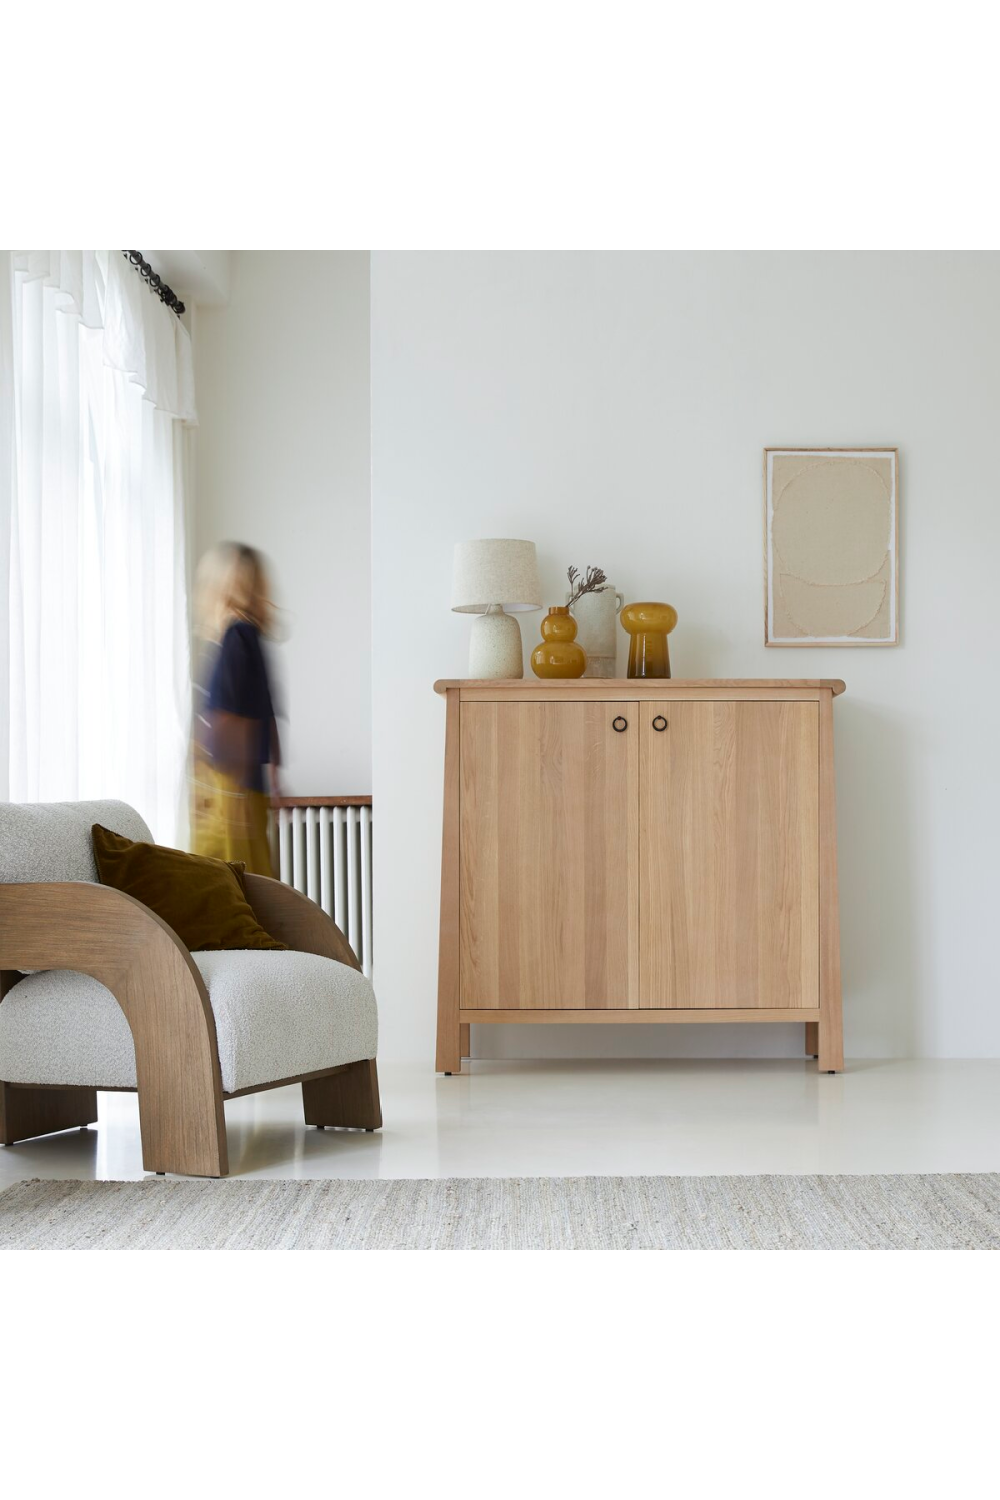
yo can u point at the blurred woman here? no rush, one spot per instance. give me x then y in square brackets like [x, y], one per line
[235, 735]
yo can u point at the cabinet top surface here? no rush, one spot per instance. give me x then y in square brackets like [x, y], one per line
[625, 687]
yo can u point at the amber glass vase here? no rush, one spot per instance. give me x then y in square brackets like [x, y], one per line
[559, 655]
[648, 626]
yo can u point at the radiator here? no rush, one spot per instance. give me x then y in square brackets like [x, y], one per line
[323, 847]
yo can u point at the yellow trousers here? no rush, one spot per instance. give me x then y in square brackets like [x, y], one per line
[229, 822]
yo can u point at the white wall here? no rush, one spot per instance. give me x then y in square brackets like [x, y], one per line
[282, 462]
[613, 408]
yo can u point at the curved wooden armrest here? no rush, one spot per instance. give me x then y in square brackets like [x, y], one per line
[97, 930]
[77, 924]
[292, 918]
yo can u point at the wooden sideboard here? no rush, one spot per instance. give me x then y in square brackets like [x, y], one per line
[635, 851]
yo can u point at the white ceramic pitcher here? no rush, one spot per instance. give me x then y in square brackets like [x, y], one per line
[596, 616]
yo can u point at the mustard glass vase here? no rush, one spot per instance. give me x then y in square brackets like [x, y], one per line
[648, 626]
[559, 655]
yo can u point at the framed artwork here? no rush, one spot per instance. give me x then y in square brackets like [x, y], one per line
[831, 546]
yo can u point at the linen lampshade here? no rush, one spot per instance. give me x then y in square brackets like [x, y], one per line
[489, 574]
[495, 571]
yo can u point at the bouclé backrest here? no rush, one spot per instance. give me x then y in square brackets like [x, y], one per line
[51, 840]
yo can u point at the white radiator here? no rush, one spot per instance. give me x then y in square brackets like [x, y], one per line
[325, 851]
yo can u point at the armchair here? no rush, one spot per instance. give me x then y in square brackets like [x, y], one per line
[136, 1010]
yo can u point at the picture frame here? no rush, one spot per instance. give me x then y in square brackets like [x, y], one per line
[831, 546]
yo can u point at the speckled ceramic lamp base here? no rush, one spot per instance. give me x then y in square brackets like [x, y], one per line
[495, 645]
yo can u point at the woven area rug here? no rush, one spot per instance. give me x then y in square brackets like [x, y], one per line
[958, 1211]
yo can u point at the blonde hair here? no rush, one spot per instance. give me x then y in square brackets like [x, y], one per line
[232, 584]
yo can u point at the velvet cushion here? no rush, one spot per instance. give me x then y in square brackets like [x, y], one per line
[203, 900]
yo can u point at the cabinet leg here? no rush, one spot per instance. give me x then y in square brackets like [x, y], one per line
[449, 1049]
[831, 1042]
[812, 1039]
[465, 1045]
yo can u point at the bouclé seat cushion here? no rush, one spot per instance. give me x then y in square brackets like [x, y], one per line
[276, 1015]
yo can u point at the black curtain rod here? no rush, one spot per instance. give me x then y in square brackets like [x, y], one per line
[154, 282]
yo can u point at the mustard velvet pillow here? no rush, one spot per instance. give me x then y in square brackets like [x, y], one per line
[203, 900]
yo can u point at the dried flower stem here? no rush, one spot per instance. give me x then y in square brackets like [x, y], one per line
[592, 582]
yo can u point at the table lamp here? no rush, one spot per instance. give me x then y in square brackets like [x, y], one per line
[489, 577]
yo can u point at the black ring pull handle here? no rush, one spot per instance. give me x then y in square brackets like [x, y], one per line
[619, 724]
[659, 723]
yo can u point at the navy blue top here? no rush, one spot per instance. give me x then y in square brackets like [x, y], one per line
[239, 685]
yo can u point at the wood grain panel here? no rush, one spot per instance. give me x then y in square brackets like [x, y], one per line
[729, 856]
[631, 687]
[347, 1097]
[27, 1112]
[609, 691]
[548, 859]
[637, 1017]
[364, 799]
[293, 919]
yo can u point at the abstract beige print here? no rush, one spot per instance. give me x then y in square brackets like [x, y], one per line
[831, 546]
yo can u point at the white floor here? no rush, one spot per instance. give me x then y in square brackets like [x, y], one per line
[589, 1118]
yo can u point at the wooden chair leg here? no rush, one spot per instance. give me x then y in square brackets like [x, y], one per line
[27, 1112]
[182, 1124]
[349, 1098]
[812, 1039]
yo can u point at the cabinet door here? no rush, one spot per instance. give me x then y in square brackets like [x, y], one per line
[549, 856]
[729, 855]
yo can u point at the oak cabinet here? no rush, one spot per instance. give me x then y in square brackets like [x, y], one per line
[639, 851]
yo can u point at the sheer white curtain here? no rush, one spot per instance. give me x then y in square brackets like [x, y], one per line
[98, 669]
